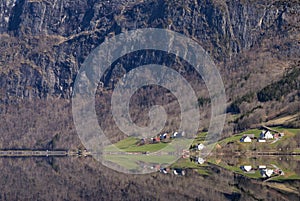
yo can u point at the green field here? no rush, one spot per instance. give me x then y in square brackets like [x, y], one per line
[187, 164]
[236, 169]
[289, 175]
[282, 178]
[237, 137]
[130, 145]
[131, 162]
[269, 145]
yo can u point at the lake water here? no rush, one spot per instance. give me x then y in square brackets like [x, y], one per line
[218, 178]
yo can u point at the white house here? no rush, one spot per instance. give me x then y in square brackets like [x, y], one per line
[247, 168]
[266, 135]
[261, 140]
[246, 139]
[266, 172]
[164, 170]
[200, 147]
[179, 172]
[200, 160]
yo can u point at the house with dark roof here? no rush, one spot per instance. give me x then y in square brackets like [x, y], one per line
[246, 139]
[177, 171]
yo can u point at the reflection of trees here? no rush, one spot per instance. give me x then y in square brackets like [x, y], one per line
[288, 145]
[296, 168]
[297, 140]
[288, 163]
[263, 147]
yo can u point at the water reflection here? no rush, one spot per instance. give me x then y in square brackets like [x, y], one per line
[262, 167]
[73, 178]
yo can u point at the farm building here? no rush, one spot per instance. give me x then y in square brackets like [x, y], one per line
[266, 135]
[246, 139]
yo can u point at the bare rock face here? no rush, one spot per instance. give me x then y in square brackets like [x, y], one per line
[44, 43]
[6, 9]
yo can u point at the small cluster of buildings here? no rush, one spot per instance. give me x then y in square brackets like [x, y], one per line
[166, 170]
[175, 171]
[198, 147]
[162, 138]
[197, 160]
[263, 137]
[263, 170]
[185, 154]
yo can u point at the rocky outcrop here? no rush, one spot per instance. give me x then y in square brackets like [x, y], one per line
[44, 43]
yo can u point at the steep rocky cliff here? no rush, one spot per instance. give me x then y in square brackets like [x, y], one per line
[44, 43]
